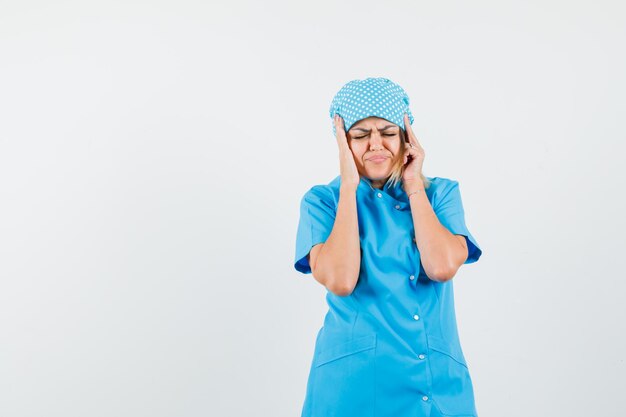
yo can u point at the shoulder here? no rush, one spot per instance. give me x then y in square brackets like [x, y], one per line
[441, 181]
[440, 185]
[441, 189]
[327, 194]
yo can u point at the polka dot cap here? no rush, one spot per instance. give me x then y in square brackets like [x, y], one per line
[378, 97]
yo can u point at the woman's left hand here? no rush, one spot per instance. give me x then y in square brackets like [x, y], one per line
[412, 170]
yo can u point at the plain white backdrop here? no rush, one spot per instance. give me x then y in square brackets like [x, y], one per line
[152, 160]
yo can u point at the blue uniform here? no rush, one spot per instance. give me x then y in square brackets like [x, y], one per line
[390, 348]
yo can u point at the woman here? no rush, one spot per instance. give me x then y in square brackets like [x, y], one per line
[385, 241]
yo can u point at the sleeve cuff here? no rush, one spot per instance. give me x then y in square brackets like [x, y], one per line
[456, 226]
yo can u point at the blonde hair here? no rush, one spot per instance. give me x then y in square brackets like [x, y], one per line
[398, 168]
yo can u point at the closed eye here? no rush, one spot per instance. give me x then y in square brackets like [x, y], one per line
[385, 134]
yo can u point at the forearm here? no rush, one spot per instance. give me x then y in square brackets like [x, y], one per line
[340, 258]
[439, 249]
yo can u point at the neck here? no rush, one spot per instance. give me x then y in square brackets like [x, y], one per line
[378, 183]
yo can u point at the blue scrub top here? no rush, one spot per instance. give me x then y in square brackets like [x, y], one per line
[391, 347]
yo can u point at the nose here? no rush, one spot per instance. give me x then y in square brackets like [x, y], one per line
[376, 140]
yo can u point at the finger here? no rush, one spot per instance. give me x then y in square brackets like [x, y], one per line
[339, 129]
[409, 152]
[409, 130]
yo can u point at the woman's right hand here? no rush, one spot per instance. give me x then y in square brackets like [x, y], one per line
[347, 167]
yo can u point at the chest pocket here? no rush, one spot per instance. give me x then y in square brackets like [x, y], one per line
[452, 392]
[344, 378]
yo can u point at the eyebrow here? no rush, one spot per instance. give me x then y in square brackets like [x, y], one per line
[369, 130]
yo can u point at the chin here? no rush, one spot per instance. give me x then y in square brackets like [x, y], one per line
[377, 174]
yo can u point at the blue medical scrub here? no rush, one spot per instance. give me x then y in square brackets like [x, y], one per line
[390, 348]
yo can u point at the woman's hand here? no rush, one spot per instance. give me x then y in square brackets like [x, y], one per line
[349, 173]
[413, 170]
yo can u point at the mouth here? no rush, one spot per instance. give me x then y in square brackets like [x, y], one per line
[378, 159]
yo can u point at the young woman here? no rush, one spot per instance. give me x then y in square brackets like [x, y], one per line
[386, 242]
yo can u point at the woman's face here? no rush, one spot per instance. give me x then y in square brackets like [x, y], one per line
[372, 138]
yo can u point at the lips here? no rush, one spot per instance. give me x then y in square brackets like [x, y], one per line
[377, 158]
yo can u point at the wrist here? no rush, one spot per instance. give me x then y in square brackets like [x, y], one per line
[413, 185]
[347, 189]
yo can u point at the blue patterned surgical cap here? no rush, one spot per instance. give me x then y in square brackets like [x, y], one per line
[378, 97]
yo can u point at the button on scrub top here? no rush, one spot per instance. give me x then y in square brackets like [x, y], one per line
[391, 347]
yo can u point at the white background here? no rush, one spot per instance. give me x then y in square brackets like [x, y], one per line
[152, 160]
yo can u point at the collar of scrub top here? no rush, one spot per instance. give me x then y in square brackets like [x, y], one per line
[396, 193]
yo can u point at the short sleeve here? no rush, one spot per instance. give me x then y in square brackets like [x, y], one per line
[449, 211]
[317, 217]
